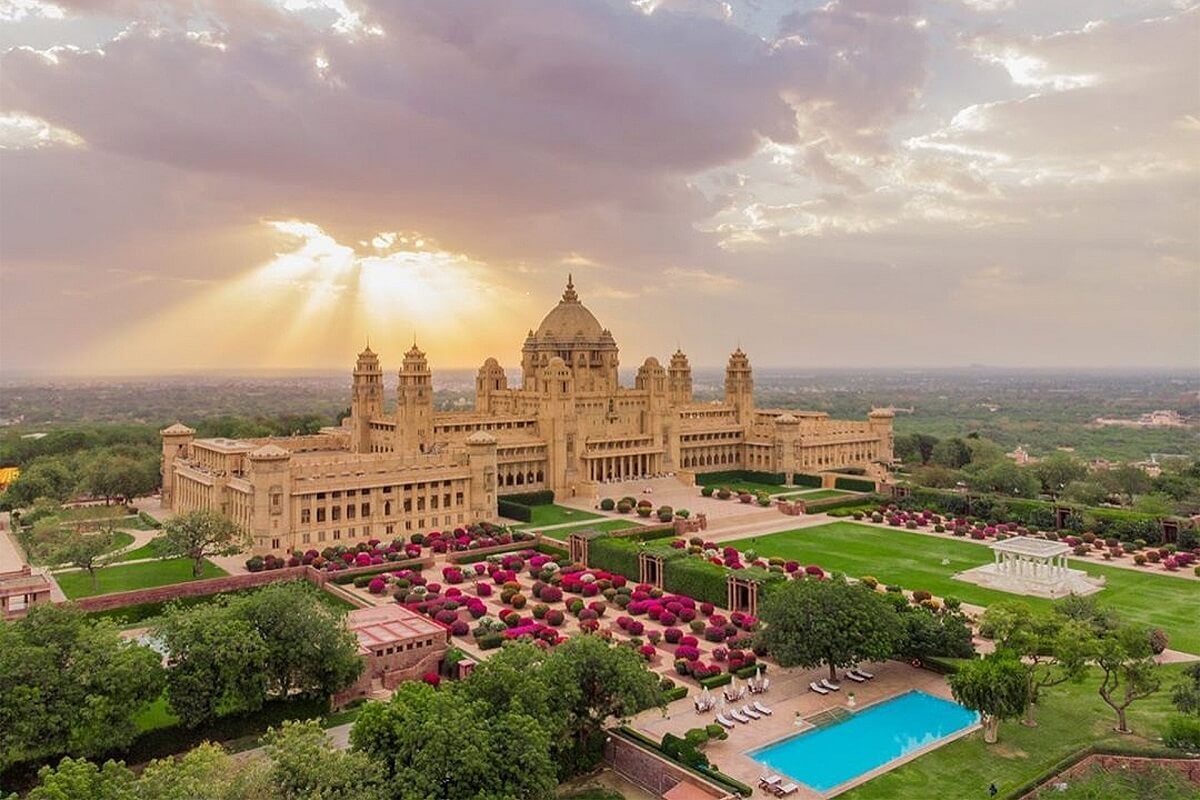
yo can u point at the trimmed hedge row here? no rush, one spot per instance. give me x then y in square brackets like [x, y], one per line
[703, 581]
[831, 503]
[507, 508]
[542, 498]
[800, 479]
[647, 533]
[617, 554]
[854, 484]
[748, 475]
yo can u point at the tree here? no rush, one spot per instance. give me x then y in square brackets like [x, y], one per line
[1158, 505]
[1186, 694]
[831, 622]
[86, 551]
[1090, 493]
[305, 767]
[436, 744]
[115, 473]
[1128, 665]
[951, 453]
[307, 646]
[1005, 477]
[926, 634]
[71, 685]
[218, 663]
[78, 779]
[1126, 480]
[995, 686]
[201, 534]
[1052, 649]
[936, 477]
[1057, 471]
[49, 476]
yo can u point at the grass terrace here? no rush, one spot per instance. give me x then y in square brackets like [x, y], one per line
[915, 561]
[77, 583]
[1070, 718]
[151, 549]
[553, 514]
[606, 525]
[817, 494]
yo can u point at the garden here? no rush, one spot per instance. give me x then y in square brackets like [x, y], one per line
[125, 577]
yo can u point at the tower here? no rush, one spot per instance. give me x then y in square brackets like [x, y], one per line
[366, 401]
[739, 386]
[175, 441]
[880, 420]
[679, 380]
[414, 412]
[490, 381]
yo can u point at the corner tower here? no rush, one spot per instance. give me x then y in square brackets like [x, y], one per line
[679, 380]
[739, 386]
[366, 401]
[414, 411]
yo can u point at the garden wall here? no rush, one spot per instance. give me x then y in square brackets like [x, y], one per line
[653, 772]
[1187, 767]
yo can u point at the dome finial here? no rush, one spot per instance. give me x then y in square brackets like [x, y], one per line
[569, 295]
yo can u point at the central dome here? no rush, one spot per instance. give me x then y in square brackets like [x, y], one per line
[569, 320]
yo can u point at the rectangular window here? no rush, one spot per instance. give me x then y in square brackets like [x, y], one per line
[337, 534]
[349, 493]
[320, 495]
[350, 511]
[320, 515]
[336, 495]
[320, 536]
[446, 500]
[433, 501]
[458, 498]
[306, 538]
[420, 504]
[365, 510]
[335, 513]
[274, 544]
[407, 505]
[387, 490]
[390, 529]
[305, 516]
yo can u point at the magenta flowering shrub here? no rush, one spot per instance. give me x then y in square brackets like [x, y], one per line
[720, 653]
[813, 571]
[648, 651]
[687, 652]
[377, 585]
[673, 635]
[714, 634]
[707, 609]
[551, 594]
[687, 614]
[432, 678]
[459, 628]
[483, 589]
[555, 617]
[452, 575]
[689, 641]
[665, 618]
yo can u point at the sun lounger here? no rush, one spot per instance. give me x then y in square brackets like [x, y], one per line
[786, 789]
[863, 673]
[769, 781]
[818, 688]
[724, 722]
[760, 708]
[750, 712]
[830, 685]
[739, 716]
[854, 676]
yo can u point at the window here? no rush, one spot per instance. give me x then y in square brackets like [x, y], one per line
[320, 495]
[458, 498]
[274, 544]
[335, 513]
[336, 495]
[420, 504]
[387, 490]
[365, 510]
[446, 500]
[305, 516]
[320, 515]
[306, 538]
[349, 493]
[390, 529]
[407, 505]
[337, 534]
[320, 536]
[350, 511]
[433, 501]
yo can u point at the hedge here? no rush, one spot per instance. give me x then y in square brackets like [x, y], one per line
[507, 508]
[701, 580]
[800, 479]
[842, 502]
[716, 680]
[750, 670]
[647, 533]
[542, 498]
[854, 484]
[675, 693]
[748, 475]
[617, 554]
[149, 520]
[559, 553]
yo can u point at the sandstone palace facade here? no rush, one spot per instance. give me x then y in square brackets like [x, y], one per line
[567, 425]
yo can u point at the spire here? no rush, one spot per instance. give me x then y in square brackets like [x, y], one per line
[569, 295]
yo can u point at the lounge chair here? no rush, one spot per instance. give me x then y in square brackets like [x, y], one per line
[854, 676]
[760, 708]
[863, 673]
[739, 716]
[769, 781]
[786, 789]
[830, 685]
[818, 688]
[750, 712]
[724, 722]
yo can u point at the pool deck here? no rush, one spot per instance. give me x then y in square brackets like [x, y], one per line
[792, 703]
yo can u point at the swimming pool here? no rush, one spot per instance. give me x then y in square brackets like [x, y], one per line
[828, 757]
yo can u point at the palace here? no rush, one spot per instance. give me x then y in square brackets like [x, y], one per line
[568, 426]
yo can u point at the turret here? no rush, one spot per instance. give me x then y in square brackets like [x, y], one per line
[880, 420]
[269, 474]
[679, 380]
[414, 411]
[481, 455]
[739, 386]
[490, 381]
[175, 442]
[366, 401]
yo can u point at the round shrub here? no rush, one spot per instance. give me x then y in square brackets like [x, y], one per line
[608, 504]
[376, 586]
[1158, 640]
[706, 491]
[554, 617]
[517, 601]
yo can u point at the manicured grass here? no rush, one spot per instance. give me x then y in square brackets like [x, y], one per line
[551, 514]
[120, 539]
[914, 561]
[155, 716]
[151, 549]
[817, 494]
[601, 525]
[76, 583]
[1070, 717]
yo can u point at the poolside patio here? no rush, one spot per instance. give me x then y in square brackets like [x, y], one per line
[792, 705]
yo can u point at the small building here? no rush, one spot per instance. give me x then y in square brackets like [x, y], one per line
[19, 590]
[397, 644]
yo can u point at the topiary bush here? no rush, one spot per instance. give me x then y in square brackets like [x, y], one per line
[608, 504]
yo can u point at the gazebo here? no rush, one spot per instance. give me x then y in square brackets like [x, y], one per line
[1039, 567]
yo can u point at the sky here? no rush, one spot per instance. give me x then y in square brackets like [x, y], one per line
[253, 184]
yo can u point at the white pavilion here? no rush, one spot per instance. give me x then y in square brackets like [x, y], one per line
[1038, 567]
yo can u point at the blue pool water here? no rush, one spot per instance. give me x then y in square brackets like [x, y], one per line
[830, 756]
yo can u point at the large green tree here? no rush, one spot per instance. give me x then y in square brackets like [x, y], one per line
[218, 663]
[951, 453]
[1057, 471]
[1006, 478]
[1186, 694]
[810, 623]
[305, 767]
[49, 476]
[1130, 672]
[86, 551]
[70, 685]
[1052, 648]
[201, 534]
[995, 686]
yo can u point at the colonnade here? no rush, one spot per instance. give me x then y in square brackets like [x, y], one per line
[1045, 568]
[623, 467]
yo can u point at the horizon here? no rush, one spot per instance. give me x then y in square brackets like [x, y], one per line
[834, 184]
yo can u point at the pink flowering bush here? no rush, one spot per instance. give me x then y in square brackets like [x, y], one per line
[432, 678]
[377, 585]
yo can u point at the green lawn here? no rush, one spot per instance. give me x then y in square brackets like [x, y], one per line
[150, 549]
[600, 525]
[551, 514]
[817, 494]
[76, 583]
[1070, 717]
[914, 561]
